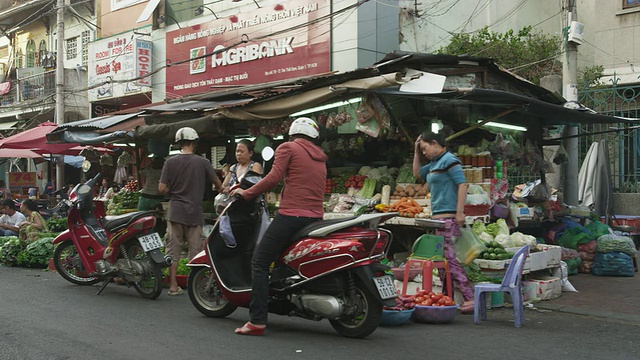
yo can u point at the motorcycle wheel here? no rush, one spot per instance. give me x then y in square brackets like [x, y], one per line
[69, 265]
[150, 287]
[364, 319]
[209, 301]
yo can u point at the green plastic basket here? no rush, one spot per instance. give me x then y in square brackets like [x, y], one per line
[428, 246]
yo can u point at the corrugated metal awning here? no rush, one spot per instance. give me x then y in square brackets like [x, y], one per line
[98, 123]
[7, 125]
[194, 105]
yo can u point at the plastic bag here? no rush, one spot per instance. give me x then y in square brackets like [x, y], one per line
[468, 246]
[574, 236]
[265, 221]
[608, 243]
[226, 232]
[613, 264]
[598, 228]
[589, 247]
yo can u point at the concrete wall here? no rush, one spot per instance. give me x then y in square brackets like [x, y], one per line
[626, 204]
[611, 40]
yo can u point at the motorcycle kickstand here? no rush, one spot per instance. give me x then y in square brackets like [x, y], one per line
[104, 285]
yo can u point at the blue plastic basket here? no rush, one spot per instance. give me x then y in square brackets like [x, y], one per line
[395, 317]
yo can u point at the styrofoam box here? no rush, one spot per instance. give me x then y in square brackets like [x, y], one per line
[554, 255]
[543, 288]
[535, 260]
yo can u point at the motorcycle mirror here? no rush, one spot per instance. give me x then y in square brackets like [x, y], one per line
[267, 153]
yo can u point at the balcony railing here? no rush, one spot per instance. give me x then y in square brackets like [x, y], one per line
[33, 87]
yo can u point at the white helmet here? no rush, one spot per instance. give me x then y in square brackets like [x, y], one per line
[304, 126]
[186, 133]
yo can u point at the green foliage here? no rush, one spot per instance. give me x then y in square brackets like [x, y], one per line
[37, 253]
[590, 76]
[10, 247]
[529, 54]
[57, 225]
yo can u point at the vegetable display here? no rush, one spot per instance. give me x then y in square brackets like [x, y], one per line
[422, 298]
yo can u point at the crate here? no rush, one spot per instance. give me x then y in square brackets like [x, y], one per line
[543, 288]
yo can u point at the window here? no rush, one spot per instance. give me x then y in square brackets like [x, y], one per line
[19, 59]
[31, 53]
[72, 48]
[86, 37]
[626, 4]
[42, 51]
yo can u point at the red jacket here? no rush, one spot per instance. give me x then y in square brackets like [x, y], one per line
[301, 164]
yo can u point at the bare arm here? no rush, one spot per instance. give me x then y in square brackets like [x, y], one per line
[163, 188]
[416, 158]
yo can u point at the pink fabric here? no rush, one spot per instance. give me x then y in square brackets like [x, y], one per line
[5, 87]
[302, 166]
[460, 280]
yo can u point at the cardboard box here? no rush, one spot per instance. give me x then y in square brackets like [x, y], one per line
[544, 288]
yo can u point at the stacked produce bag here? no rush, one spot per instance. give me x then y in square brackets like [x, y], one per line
[614, 256]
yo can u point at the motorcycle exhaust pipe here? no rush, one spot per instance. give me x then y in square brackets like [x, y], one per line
[168, 260]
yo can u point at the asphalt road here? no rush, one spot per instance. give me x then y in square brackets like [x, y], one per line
[44, 317]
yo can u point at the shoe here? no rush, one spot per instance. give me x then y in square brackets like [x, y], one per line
[250, 329]
[177, 292]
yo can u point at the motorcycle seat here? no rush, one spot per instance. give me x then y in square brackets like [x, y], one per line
[317, 225]
[113, 222]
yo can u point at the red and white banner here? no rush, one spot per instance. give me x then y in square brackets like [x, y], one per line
[287, 41]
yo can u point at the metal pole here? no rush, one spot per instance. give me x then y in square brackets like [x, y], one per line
[570, 92]
[60, 180]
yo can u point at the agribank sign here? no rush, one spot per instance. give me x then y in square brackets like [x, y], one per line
[280, 42]
[120, 57]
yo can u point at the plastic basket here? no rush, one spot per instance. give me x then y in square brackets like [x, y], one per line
[476, 210]
[395, 317]
[434, 314]
[428, 246]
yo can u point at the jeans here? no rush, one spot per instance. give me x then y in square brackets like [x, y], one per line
[275, 240]
[7, 232]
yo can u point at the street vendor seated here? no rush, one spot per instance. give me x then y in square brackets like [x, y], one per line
[34, 223]
[11, 219]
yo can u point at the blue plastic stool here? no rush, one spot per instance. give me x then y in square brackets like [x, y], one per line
[511, 283]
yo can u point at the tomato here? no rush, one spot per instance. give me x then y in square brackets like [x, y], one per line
[428, 302]
[449, 303]
[431, 293]
[419, 299]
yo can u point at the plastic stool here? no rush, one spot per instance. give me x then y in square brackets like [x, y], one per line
[427, 274]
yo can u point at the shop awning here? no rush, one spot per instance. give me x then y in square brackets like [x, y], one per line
[488, 102]
[194, 105]
[100, 130]
[7, 125]
[206, 126]
[99, 123]
[280, 107]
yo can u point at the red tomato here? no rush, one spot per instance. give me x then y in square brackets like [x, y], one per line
[419, 299]
[427, 302]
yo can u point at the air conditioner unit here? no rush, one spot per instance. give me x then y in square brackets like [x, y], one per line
[576, 32]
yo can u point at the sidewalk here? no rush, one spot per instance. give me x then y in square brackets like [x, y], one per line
[600, 296]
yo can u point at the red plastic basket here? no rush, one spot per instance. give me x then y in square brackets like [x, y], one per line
[476, 210]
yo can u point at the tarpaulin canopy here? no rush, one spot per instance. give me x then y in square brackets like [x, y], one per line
[280, 107]
[19, 153]
[203, 125]
[35, 139]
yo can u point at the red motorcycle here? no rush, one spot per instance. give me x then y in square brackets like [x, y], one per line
[98, 248]
[332, 270]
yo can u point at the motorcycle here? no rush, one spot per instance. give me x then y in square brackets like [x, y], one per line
[98, 248]
[331, 270]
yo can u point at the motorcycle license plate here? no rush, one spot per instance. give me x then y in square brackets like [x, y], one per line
[385, 286]
[150, 242]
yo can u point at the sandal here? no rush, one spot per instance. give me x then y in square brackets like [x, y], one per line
[250, 329]
[177, 292]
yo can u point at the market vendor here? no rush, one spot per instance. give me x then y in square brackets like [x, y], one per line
[448, 188]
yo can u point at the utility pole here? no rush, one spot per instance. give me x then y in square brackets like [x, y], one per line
[60, 180]
[570, 93]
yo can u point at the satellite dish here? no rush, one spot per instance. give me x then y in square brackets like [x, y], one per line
[86, 165]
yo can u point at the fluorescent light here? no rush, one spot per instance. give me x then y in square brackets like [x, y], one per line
[505, 126]
[124, 145]
[328, 106]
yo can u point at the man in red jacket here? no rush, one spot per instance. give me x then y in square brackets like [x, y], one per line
[301, 164]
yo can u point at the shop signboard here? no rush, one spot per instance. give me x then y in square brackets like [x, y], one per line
[120, 57]
[267, 44]
[22, 179]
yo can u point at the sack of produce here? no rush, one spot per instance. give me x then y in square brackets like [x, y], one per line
[610, 242]
[585, 267]
[574, 236]
[572, 265]
[468, 246]
[597, 228]
[613, 264]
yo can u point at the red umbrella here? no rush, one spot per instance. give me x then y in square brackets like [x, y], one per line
[19, 153]
[35, 139]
